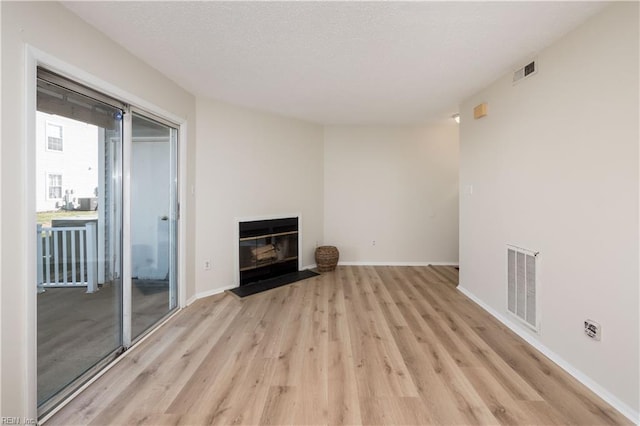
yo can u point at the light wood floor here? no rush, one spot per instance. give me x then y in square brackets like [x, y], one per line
[361, 345]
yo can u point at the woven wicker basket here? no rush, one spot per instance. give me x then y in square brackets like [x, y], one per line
[327, 258]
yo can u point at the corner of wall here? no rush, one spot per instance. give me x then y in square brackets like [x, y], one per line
[547, 170]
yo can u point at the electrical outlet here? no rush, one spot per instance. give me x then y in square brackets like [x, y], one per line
[207, 265]
[373, 243]
[592, 329]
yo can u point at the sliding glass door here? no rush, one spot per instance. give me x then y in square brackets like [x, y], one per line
[78, 234]
[92, 303]
[153, 221]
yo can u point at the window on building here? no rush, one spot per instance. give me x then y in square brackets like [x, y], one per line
[54, 137]
[54, 186]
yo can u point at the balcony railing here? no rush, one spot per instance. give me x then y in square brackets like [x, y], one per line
[66, 257]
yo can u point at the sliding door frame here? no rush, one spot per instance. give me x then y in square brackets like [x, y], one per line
[174, 229]
[127, 335]
[126, 228]
[33, 59]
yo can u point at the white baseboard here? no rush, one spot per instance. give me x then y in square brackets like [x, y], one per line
[370, 263]
[214, 291]
[603, 393]
[191, 300]
[312, 266]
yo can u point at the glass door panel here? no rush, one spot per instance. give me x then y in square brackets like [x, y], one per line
[78, 231]
[153, 222]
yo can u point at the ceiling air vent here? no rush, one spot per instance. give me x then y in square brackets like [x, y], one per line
[526, 71]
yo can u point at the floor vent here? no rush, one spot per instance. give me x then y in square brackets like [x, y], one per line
[521, 285]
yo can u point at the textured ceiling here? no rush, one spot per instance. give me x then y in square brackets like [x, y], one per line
[337, 62]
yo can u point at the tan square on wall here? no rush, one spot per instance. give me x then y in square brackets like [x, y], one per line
[480, 111]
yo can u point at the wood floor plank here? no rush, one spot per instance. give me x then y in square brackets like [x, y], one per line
[315, 358]
[216, 401]
[436, 396]
[467, 398]
[542, 413]
[360, 345]
[393, 363]
[342, 392]
[447, 274]
[292, 351]
[417, 345]
[211, 367]
[342, 395]
[497, 399]
[151, 382]
[280, 406]
[464, 340]
[429, 325]
[375, 373]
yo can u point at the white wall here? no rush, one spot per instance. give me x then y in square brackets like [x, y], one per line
[52, 29]
[397, 186]
[252, 164]
[554, 168]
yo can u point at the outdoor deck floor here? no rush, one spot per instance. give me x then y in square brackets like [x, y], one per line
[76, 329]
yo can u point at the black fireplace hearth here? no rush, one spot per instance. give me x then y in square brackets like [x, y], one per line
[271, 283]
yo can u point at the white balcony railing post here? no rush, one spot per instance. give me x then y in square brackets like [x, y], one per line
[92, 248]
[72, 234]
[47, 253]
[82, 238]
[39, 260]
[56, 264]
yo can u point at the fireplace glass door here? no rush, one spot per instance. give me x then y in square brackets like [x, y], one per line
[257, 252]
[267, 249]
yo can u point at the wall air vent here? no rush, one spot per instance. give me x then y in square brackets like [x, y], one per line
[527, 71]
[522, 292]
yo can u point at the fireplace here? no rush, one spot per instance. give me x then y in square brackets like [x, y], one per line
[267, 249]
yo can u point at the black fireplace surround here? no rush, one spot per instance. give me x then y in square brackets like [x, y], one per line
[267, 249]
